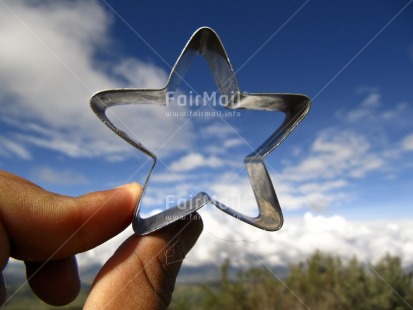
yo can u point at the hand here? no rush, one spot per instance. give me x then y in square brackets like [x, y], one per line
[46, 230]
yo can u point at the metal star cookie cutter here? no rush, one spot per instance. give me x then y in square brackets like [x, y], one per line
[205, 42]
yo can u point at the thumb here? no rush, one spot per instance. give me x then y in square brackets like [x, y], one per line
[42, 225]
[142, 272]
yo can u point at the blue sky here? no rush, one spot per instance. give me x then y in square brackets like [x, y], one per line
[348, 164]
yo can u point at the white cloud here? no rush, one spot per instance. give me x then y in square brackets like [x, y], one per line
[235, 192]
[399, 113]
[365, 110]
[325, 187]
[233, 142]
[309, 195]
[320, 180]
[336, 154]
[47, 67]
[151, 126]
[407, 143]
[136, 72]
[169, 177]
[223, 144]
[10, 148]
[371, 111]
[369, 240]
[196, 160]
[59, 177]
[226, 237]
[217, 130]
[48, 73]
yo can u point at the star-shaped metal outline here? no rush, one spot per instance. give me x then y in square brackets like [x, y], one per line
[206, 42]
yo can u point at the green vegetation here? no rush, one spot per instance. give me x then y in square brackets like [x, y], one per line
[321, 282]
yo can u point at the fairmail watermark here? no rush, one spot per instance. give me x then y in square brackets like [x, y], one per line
[195, 99]
[191, 203]
[205, 114]
[198, 101]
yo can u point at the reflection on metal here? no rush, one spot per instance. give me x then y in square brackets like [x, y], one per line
[205, 42]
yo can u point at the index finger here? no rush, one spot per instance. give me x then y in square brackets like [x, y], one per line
[41, 225]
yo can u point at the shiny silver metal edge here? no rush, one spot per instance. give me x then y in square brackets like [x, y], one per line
[205, 42]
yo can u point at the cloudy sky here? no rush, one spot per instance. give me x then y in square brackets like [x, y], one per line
[343, 177]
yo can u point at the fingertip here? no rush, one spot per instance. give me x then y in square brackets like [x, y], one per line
[102, 215]
[71, 225]
[55, 282]
[133, 190]
[143, 270]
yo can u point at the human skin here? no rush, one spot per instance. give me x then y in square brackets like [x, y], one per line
[46, 231]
